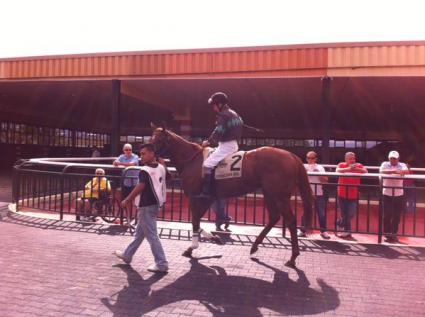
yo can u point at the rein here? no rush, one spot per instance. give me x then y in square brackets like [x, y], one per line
[190, 159]
[184, 162]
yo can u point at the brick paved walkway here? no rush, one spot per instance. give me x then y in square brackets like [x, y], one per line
[52, 268]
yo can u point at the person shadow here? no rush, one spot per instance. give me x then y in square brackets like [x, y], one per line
[227, 295]
[131, 298]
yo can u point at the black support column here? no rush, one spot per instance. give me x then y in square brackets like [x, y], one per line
[326, 118]
[116, 109]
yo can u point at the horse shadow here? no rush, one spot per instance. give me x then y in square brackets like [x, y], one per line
[129, 300]
[114, 230]
[224, 236]
[226, 295]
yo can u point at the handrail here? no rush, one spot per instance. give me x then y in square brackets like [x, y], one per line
[84, 159]
[367, 175]
[415, 169]
[65, 162]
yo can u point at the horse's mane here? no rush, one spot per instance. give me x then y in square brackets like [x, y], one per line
[180, 139]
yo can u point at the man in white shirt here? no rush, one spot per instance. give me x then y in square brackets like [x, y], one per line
[393, 194]
[152, 191]
[317, 189]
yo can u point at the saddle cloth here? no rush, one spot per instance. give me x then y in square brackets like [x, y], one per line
[229, 167]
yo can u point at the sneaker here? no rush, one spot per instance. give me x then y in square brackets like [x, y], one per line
[388, 239]
[120, 255]
[227, 222]
[345, 235]
[325, 235]
[300, 233]
[155, 269]
[391, 239]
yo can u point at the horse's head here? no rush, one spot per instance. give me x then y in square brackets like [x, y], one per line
[160, 140]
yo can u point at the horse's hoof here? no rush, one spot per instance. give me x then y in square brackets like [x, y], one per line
[291, 264]
[216, 240]
[253, 249]
[188, 253]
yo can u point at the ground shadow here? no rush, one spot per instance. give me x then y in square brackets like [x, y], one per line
[395, 252]
[373, 250]
[114, 230]
[306, 245]
[128, 301]
[227, 295]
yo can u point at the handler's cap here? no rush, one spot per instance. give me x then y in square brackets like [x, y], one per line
[218, 97]
[394, 154]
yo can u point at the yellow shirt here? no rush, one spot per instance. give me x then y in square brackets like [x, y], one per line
[92, 187]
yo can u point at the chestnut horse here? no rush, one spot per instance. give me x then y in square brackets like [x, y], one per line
[277, 172]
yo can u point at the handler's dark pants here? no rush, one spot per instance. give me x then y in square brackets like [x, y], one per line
[393, 206]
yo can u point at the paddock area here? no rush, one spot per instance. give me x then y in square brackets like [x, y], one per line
[54, 185]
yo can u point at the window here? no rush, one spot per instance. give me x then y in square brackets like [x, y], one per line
[370, 144]
[299, 143]
[360, 144]
[350, 144]
[339, 143]
[288, 143]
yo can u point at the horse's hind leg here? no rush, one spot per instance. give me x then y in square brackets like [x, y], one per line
[274, 216]
[291, 222]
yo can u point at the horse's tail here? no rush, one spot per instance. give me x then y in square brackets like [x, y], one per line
[306, 195]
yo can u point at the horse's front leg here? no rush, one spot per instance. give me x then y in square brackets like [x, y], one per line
[198, 207]
[194, 245]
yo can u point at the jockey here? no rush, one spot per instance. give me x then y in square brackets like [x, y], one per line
[226, 133]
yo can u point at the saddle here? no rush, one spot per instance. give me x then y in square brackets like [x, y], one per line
[229, 167]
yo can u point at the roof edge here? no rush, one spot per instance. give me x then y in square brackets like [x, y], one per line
[224, 49]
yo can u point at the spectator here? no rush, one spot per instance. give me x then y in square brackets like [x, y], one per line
[92, 193]
[348, 192]
[128, 158]
[317, 189]
[393, 194]
[219, 207]
[410, 192]
[152, 190]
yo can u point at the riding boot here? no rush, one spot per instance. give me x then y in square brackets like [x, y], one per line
[206, 186]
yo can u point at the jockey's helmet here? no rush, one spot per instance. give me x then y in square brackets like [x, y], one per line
[218, 97]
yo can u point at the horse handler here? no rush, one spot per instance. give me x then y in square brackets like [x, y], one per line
[152, 192]
[228, 130]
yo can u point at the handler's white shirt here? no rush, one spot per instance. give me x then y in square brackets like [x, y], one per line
[157, 176]
[390, 183]
[313, 180]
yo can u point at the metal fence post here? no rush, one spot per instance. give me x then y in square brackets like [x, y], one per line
[62, 188]
[15, 187]
[380, 211]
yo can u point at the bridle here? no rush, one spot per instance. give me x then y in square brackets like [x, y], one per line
[162, 148]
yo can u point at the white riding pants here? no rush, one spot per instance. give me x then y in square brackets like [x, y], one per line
[224, 149]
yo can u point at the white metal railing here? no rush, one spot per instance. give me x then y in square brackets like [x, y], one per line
[76, 162]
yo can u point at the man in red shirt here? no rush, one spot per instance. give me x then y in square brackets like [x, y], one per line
[348, 192]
